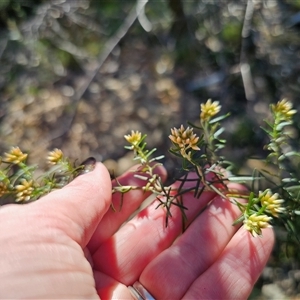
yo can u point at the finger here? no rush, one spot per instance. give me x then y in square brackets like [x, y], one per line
[127, 253]
[131, 201]
[78, 207]
[235, 272]
[193, 252]
[109, 288]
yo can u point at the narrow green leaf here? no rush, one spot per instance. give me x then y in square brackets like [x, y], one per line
[280, 126]
[217, 119]
[289, 180]
[157, 158]
[218, 132]
[243, 178]
[292, 188]
[141, 177]
[194, 126]
[239, 220]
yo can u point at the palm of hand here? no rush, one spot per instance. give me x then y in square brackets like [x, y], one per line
[43, 247]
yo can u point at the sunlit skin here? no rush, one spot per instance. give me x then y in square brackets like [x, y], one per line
[69, 245]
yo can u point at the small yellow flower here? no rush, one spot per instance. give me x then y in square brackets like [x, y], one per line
[185, 139]
[134, 138]
[55, 156]
[255, 223]
[209, 109]
[15, 155]
[284, 109]
[272, 203]
[3, 189]
[24, 190]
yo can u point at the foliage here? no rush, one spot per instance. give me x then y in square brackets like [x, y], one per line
[198, 154]
[65, 68]
[18, 183]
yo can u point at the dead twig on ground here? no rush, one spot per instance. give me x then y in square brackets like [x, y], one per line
[244, 63]
[109, 47]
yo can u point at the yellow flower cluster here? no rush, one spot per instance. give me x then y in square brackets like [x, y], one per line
[15, 156]
[55, 156]
[255, 223]
[209, 109]
[134, 138]
[271, 202]
[185, 139]
[284, 109]
[3, 189]
[24, 190]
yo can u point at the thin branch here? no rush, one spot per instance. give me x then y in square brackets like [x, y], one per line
[109, 47]
[244, 64]
[145, 23]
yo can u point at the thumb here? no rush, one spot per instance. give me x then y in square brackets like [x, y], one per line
[78, 207]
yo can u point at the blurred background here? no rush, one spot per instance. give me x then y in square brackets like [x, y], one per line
[78, 75]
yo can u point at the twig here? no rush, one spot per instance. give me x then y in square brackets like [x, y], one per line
[145, 23]
[109, 47]
[244, 64]
[111, 44]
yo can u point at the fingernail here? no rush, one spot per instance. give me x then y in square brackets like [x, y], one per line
[88, 165]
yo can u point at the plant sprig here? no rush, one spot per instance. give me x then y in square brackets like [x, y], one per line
[198, 146]
[200, 154]
[19, 184]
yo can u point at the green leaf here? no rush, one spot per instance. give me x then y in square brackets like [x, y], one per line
[217, 119]
[243, 178]
[218, 132]
[141, 177]
[239, 220]
[149, 153]
[194, 126]
[291, 226]
[292, 153]
[174, 152]
[157, 158]
[220, 146]
[289, 180]
[293, 188]
[128, 147]
[285, 155]
[268, 123]
[280, 126]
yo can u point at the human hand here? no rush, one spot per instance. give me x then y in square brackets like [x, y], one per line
[46, 246]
